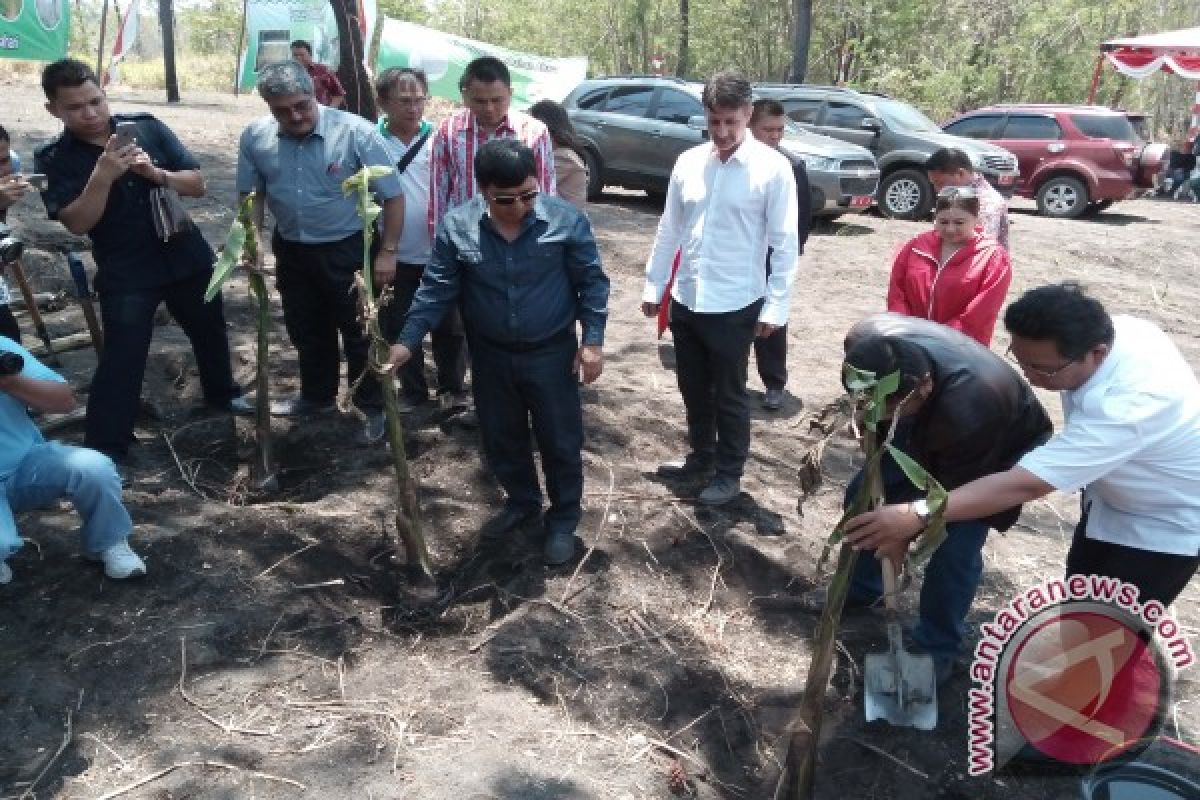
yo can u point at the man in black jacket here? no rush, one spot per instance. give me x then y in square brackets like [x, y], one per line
[964, 413]
[770, 352]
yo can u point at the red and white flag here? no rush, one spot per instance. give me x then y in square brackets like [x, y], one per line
[126, 36]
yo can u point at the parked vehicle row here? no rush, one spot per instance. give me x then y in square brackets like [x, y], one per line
[861, 147]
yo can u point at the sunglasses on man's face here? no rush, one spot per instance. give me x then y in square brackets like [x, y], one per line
[509, 199]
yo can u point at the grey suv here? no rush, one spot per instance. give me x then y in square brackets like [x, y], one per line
[634, 127]
[900, 137]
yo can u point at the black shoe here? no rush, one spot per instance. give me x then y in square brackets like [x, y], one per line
[694, 464]
[298, 406]
[508, 521]
[559, 548]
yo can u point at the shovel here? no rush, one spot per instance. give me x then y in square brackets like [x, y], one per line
[900, 687]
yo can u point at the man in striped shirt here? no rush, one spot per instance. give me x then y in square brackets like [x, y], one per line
[487, 94]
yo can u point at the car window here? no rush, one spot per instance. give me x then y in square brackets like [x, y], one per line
[1105, 126]
[845, 115]
[904, 117]
[676, 106]
[592, 100]
[1026, 126]
[633, 101]
[981, 126]
[802, 109]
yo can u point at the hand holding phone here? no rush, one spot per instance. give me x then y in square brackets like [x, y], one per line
[38, 181]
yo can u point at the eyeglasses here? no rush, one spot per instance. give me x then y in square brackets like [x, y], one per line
[1044, 373]
[509, 199]
[951, 192]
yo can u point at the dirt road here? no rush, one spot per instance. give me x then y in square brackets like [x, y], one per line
[658, 668]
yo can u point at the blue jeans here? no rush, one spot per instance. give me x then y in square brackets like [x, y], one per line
[51, 471]
[951, 576]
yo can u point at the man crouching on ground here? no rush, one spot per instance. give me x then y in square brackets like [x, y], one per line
[34, 472]
[523, 267]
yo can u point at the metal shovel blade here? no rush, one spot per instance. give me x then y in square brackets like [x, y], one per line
[900, 686]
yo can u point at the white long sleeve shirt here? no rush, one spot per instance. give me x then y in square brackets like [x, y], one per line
[726, 217]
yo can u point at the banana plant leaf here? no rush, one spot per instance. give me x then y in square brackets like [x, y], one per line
[235, 244]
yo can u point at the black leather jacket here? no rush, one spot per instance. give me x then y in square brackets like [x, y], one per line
[981, 417]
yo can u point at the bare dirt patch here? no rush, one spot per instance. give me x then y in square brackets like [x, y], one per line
[273, 644]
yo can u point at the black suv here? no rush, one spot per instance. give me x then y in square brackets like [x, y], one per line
[899, 136]
[634, 127]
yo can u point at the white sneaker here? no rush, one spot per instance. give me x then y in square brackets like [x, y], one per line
[5, 573]
[120, 562]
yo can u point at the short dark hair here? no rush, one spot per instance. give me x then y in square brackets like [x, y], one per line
[766, 107]
[503, 164]
[558, 122]
[388, 79]
[485, 69]
[66, 73]
[883, 355]
[1062, 313]
[949, 159]
[302, 44]
[727, 90]
[4, 135]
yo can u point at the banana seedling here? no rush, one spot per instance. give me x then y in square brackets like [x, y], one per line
[408, 511]
[264, 474]
[870, 394]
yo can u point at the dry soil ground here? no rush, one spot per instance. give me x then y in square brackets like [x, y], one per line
[308, 675]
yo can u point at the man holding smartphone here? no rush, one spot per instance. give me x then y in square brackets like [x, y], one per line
[101, 172]
[13, 187]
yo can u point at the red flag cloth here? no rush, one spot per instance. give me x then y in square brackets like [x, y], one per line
[664, 305]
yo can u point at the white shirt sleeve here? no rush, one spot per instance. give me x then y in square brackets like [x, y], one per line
[1087, 449]
[784, 244]
[666, 242]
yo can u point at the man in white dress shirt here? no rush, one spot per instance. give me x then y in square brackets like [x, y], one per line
[730, 201]
[1131, 442]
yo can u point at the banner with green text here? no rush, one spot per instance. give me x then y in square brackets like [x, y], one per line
[443, 57]
[34, 30]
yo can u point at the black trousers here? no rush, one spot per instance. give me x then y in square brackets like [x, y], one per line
[8, 324]
[514, 389]
[770, 355]
[1158, 576]
[128, 318]
[712, 354]
[316, 287]
[449, 341]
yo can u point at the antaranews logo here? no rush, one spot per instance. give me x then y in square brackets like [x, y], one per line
[1074, 670]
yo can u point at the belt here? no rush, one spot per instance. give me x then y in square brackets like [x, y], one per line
[566, 335]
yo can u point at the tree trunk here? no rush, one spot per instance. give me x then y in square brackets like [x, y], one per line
[351, 72]
[166, 18]
[681, 63]
[801, 36]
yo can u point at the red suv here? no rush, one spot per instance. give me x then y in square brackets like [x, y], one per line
[1072, 159]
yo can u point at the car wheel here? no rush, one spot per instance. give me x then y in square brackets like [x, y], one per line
[595, 185]
[905, 194]
[1062, 197]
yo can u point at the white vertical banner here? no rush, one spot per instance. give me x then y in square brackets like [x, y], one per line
[126, 36]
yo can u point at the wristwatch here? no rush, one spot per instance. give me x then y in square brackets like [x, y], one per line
[387, 249]
[921, 509]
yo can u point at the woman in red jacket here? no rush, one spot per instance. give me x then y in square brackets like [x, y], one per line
[953, 274]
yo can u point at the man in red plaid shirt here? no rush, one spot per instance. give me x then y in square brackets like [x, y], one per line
[487, 94]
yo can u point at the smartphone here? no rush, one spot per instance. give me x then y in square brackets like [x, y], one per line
[126, 134]
[38, 181]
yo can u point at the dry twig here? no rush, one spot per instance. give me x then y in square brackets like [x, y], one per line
[208, 717]
[126, 789]
[66, 741]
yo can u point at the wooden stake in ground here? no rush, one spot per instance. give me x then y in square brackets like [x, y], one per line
[408, 510]
[264, 474]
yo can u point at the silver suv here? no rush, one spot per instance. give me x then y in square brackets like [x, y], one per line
[899, 136]
[634, 127]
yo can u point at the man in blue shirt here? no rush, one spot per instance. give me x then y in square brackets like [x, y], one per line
[523, 267]
[101, 186]
[297, 159]
[34, 472]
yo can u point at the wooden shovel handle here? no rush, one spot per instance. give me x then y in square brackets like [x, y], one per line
[889, 583]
